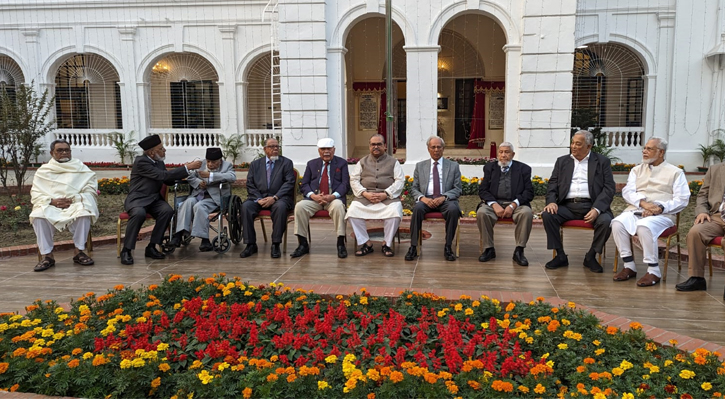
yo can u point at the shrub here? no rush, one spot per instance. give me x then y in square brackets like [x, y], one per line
[14, 215]
[114, 185]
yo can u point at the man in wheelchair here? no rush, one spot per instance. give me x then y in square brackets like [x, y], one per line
[205, 198]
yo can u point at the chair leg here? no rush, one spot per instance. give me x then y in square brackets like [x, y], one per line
[284, 246]
[89, 243]
[616, 259]
[118, 238]
[419, 249]
[458, 237]
[679, 255]
[709, 258]
[667, 258]
[264, 230]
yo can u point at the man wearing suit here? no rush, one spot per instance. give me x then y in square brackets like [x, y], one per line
[708, 225]
[581, 187]
[325, 184]
[144, 196]
[270, 184]
[506, 192]
[436, 187]
[205, 198]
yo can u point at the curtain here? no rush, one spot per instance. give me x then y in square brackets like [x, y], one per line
[478, 120]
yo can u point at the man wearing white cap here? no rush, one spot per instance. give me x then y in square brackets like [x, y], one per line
[325, 184]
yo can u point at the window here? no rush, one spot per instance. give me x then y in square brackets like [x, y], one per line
[10, 76]
[259, 94]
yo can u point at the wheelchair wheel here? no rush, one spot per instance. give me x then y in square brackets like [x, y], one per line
[166, 246]
[234, 218]
[221, 244]
[186, 239]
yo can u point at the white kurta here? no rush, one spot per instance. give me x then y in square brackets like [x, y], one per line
[379, 210]
[71, 179]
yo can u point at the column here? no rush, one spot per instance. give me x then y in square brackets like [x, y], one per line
[422, 106]
[131, 114]
[227, 93]
[336, 99]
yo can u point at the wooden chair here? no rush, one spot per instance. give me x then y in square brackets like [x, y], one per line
[436, 216]
[267, 214]
[717, 242]
[89, 248]
[124, 217]
[668, 234]
[581, 224]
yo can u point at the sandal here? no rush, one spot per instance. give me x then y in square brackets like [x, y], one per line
[364, 250]
[387, 251]
[82, 259]
[46, 263]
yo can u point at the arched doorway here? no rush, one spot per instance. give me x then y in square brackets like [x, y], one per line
[87, 95]
[259, 94]
[471, 75]
[365, 83]
[11, 76]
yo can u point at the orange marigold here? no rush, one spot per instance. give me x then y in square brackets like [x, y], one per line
[581, 369]
[588, 360]
[396, 376]
[4, 367]
[272, 377]
[247, 393]
[73, 363]
[15, 387]
[76, 351]
[553, 326]
[635, 325]
[612, 330]
[156, 382]
[474, 385]
[501, 386]
[371, 395]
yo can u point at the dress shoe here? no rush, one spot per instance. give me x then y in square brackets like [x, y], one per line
[126, 257]
[411, 254]
[300, 251]
[176, 239]
[151, 252]
[561, 260]
[593, 265]
[520, 258]
[341, 251]
[448, 254]
[249, 250]
[205, 246]
[276, 253]
[648, 280]
[625, 274]
[692, 284]
[487, 255]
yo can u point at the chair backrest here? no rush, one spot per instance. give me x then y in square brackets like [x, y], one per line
[297, 184]
[165, 192]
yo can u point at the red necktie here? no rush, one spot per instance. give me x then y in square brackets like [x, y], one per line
[436, 181]
[324, 181]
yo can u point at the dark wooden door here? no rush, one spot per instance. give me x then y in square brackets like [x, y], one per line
[464, 110]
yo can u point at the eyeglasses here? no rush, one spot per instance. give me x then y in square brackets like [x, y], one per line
[377, 144]
[435, 147]
[62, 150]
[272, 147]
[651, 149]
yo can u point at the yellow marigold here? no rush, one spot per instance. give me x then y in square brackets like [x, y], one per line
[138, 362]
[563, 346]
[523, 389]
[539, 389]
[247, 393]
[396, 376]
[673, 342]
[616, 371]
[686, 374]
[469, 311]
[162, 347]
[599, 352]
[627, 395]
[163, 367]
[125, 364]
[331, 359]
[458, 307]
[600, 396]
[373, 374]
[321, 385]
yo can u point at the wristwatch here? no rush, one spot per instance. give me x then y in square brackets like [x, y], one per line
[275, 197]
[662, 208]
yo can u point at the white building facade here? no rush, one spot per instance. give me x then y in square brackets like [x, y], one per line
[475, 72]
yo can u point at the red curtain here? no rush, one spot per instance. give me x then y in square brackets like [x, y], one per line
[478, 121]
[379, 87]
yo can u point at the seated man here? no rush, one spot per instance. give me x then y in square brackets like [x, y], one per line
[205, 198]
[581, 187]
[656, 190]
[148, 174]
[271, 185]
[708, 225]
[63, 194]
[377, 181]
[325, 184]
[436, 187]
[506, 192]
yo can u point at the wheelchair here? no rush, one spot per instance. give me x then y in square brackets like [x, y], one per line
[230, 210]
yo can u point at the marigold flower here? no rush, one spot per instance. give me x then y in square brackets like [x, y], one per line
[523, 389]
[617, 371]
[563, 346]
[474, 385]
[458, 307]
[373, 374]
[125, 364]
[291, 378]
[15, 387]
[247, 393]
[686, 374]
[501, 386]
[371, 395]
[581, 369]
[539, 389]
[163, 367]
[706, 386]
[469, 311]
[612, 330]
[599, 352]
[396, 376]
[4, 367]
[627, 395]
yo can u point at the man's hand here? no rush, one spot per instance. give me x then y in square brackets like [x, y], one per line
[591, 216]
[202, 184]
[375, 197]
[204, 174]
[701, 218]
[62, 202]
[428, 201]
[328, 198]
[509, 210]
[552, 208]
[266, 202]
[193, 165]
[498, 210]
[319, 199]
[652, 208]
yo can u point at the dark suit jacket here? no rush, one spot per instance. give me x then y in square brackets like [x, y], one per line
[282, 183]
[147, 177]
[600, 180]
[339, 177]
[450, 172]
[521, 187]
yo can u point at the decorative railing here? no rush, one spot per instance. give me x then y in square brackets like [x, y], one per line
[188, 138]
[624, 138]
[256, 137]
[85, 138]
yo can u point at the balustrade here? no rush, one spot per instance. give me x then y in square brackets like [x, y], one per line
[623, 137]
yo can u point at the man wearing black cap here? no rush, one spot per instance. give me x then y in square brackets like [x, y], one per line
[205, 197]
[144, 196]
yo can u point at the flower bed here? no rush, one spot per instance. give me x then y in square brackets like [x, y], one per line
[222, 338]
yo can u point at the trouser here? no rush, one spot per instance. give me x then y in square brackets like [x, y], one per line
[250, 210]
[193, 216]
[486, 219]
[451, 213]
[572, 211]
[648, 229]
[361, 232]
[307, 208]
[698, 238]
[45, 231]
[162, 213]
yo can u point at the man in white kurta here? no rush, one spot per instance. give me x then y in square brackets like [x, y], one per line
[377, 181]
[656, 190]
[64, 195]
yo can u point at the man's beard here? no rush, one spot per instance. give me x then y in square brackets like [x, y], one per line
[63, 160]
[504, 164]
[273, 158]
[159, 158]
[648, 161]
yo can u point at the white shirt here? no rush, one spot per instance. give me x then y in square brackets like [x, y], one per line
[580, 180]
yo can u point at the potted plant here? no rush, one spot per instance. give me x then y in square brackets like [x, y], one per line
[706, 152]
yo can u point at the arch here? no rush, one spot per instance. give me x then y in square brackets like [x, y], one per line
[147, 63]
[400, 62]
[355, 14]
[453, 42]
[640, 50]
[249, 59]
[60, 56]
[10, 72]
[259, 97]
[18, 60]
[487, 8]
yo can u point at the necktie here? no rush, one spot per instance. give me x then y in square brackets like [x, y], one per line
[325, 181]
[505, 169]
[436, 181]
[269, 171]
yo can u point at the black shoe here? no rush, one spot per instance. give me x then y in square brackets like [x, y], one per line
[205, 246]
[561, 260]
[519, 257]
[176, 239]
[487, 255]
[411, 254]
[300, 251]
[249, 250]
[448, 254]
[592, 263]
[692, 284]
[151, 252]
[341, 251]
[126, 257]
[276, 253]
